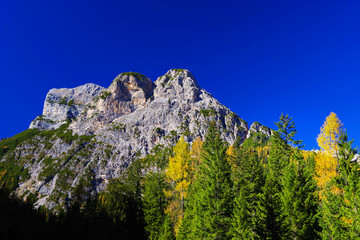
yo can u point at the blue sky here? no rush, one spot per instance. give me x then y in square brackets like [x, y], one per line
[259, 58]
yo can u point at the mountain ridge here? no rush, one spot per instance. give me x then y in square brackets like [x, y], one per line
[90, 134]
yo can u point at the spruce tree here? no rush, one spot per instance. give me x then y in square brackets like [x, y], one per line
[186, 228]
[331, 219]
[299, 199]
[271, 221]
[287, 130]
[166, 232]
[350, 180]
[248, 181]
[211, 200]
[278, 157]
[154, 204]
[340, 217]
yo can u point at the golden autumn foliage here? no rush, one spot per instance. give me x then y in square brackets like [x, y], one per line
[263, 151]
[308, 154]
[2, 173]
[179, 168]
[231, 155]
[231, 159]
[326, 162]
[196, 150]
[178, 175]
[329, 134]
[230, 151]
[325, 168]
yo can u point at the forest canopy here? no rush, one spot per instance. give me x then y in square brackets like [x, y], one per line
[208, 189]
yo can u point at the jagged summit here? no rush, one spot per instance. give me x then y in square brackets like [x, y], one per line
[131, 84]
[178, 83]
[258, 128]
[127, 92]
[92, 132]
[181, 75]
[65, 103]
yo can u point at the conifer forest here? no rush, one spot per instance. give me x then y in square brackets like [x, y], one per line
[208, 189]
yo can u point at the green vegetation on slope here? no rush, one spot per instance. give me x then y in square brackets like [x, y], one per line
[256, 139]
[264, 189]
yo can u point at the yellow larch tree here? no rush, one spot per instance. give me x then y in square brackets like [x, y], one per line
[196, 150]
[178, 175]
[230, 151]
[329, 134]
[326, 162]
[231, 155]
[308, 154]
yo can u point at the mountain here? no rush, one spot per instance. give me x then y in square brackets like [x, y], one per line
[90, 134]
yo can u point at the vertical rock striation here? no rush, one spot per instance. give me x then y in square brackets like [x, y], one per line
[90, 134]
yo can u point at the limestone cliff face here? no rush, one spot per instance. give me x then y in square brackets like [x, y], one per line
[65, 103]
[258, 128]
[91, 132]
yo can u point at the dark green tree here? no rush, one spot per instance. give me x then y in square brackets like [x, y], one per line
[287, 130]
[270, 218]
[331, 219]
[299, 199]
[248, 181]
[154, 204]
[166, 231]
[211, 202]
[340, 217]
[272, 222]
[349, 178]
[122, 201]
[186, 228]
[278, 157]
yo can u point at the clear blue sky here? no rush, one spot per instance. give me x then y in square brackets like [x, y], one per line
[259, 58]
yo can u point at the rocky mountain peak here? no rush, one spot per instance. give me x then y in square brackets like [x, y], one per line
[181, 75]
[127, 86]
[100, 131]
[258, 128]
[65, 103]
[178, 83]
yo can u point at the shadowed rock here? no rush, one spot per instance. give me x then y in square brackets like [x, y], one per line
[120, 122]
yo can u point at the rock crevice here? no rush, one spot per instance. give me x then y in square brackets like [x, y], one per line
[115, 125]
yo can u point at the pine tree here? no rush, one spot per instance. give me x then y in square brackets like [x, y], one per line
[122, 202]
[340, 217]
[287, 130]
[166, 232]
[210, 203]
[273, 222]
[154, 204]
[299, 199]
[278, 157]
[349, 181]
[248, 181]
[186, 227]
[195, 153]
[330, 221]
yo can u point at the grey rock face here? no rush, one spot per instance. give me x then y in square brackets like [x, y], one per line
[108, 128]
[257, 127]
[65, 103]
